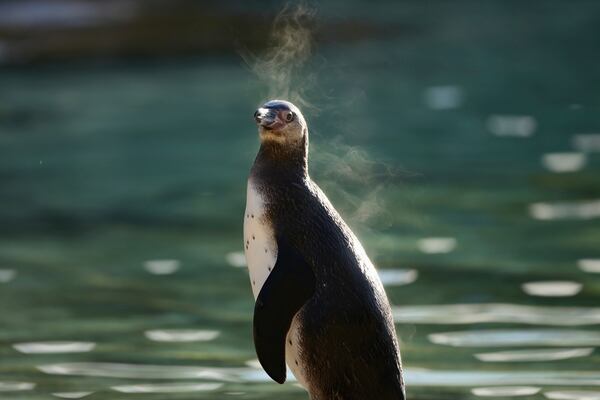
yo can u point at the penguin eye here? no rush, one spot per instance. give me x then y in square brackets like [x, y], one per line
[289, 117]
[255, 114]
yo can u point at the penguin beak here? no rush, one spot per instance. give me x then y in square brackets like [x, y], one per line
[268, 119]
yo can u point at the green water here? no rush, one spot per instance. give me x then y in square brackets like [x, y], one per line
[106, 167]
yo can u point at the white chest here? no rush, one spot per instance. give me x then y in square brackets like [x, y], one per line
[259, 242]
[261, 254]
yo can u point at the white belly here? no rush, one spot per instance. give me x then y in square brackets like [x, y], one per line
[261, 253]
[259, 242]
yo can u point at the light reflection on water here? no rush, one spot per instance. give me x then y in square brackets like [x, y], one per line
[144, 371]
[502, 378]
[71, 395]
[517, 337]
[436, 245]
[16, 386]
[54, 347]
[552, 288]
[397, 277]
[566, 210]
[443, 97]
[534, 355]
[500, 313]
[512, 125]
[161, 267]
[168, 388]
[589, 265]
[587, 142]
[7, 275]
[572, 395]
[508, 391]
[236, 259]
[564, 162]
[181, 335]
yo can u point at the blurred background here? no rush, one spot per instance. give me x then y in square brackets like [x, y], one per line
[460, 140]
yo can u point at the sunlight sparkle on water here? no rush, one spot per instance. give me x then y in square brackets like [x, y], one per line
[71, 395]
[534, 355]
[572, 395]
[436, 245]
[517, 337]
[54, 347]
[566, 210]
[591, 265]
[512, 125]
[505, 391]
[181, 335]
[143, 371]
[7, 275]
[496, 313]
[443, 97]
[161, 267]
[552, 288]
[587, 142]
[168, 387]
[15, 386]
[564, 162]
[397, 277]
[236, 259]
[468, 378]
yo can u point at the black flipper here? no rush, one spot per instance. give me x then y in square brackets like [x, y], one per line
[288, 287]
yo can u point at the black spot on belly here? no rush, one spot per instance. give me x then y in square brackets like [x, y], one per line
[296, 361]
[290, 341]
[252, 215]
[253, 238]
[254, 282]
[266, 250]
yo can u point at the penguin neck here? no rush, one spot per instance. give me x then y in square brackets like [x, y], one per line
[282, 161]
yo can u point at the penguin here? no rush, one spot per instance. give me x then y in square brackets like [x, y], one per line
[320, 306]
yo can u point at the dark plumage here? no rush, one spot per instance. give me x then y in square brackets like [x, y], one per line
[346, 333]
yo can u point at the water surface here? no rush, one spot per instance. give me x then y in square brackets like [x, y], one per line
[463, 151]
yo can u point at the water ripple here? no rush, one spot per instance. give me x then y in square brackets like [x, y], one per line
[7, 275]
[236, 259]
[168, 388]
[587, 142]
[534, 355]
[181, 335]
[71, 395]
[497, 313]
[161, 267]
[453, 378]
[144, 371]
[517, 337]
[508, 391]
[590, 265]
[397, 277]
[512, 125]
[16, 386]
[573, 395]
[436, 245]
[443, 97]
[564, 162]
[54, 347]
[574, 210]
[552, 288]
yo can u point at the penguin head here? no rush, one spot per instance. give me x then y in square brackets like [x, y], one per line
[281, 122]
